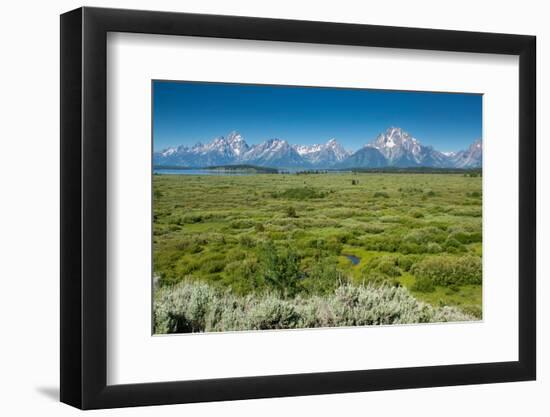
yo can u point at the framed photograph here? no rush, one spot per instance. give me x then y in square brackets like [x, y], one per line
[257, 208]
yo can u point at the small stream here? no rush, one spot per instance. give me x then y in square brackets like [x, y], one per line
[354, 259]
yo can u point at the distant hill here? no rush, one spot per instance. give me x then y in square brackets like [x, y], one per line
[242, 167]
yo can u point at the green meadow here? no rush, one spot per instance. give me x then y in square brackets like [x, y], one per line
[278, 251]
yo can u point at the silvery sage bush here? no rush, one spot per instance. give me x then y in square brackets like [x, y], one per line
[197, 307]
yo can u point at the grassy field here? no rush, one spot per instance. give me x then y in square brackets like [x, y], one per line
[300, 237]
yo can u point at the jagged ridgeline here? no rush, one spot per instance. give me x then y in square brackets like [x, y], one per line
[392, 148]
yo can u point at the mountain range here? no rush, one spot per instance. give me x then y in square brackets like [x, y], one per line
[392, 148]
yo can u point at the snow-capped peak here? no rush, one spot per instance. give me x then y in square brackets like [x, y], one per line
[331, 152]
[169, 151]
[174, 150]
[232, 145]
[237, 143]
[395, 140]
[393, 147]
[307, 149]
[449, 153]
[401, 149]
[234, 136]
[471, 157]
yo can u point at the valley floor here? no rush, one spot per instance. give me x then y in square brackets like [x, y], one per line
[271, 242]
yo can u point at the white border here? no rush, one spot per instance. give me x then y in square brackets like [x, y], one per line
[134, 356]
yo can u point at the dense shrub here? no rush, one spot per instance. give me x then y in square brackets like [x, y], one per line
[425, 235]
[304, 193]
[405, 262]
[449, 270]
[197, 307]
[242, 224]
[382, 243]
[377, 278]
[392, 219]
[409, 247]
[423, 284]
[183, 310]
[213, 265]
[332, 244]
[373, 229]
[280, 269]
[247, 241]
[272, 312]
[290, 211]
[242, 276]
[410, 190]
[191, 218]
[464, 236]
[452, 245]
[417, 214]
[188, 244]
[277, 235]
[387, 265]
[467, 212]
[433, 247]
[322, 276]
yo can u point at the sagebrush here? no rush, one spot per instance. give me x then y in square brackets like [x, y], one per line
[197, 307]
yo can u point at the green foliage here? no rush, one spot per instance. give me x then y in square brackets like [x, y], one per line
[291, 211]
[464, 235]
[425, 235]
[377, 278]
[242, 224]
[247, 241]
[322, 277]
[417, 214]
[301, 193]
[406, 262]
[452, 245]
[331, 245]
[386, 265]
[424, 284]
[433, 247]
[213, 230]
[157, 194]
[190, 218]
[449, 270]
[280, 269]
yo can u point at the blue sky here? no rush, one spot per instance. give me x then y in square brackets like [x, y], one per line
[185, 113]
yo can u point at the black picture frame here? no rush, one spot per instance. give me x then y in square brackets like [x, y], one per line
[84, 207]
